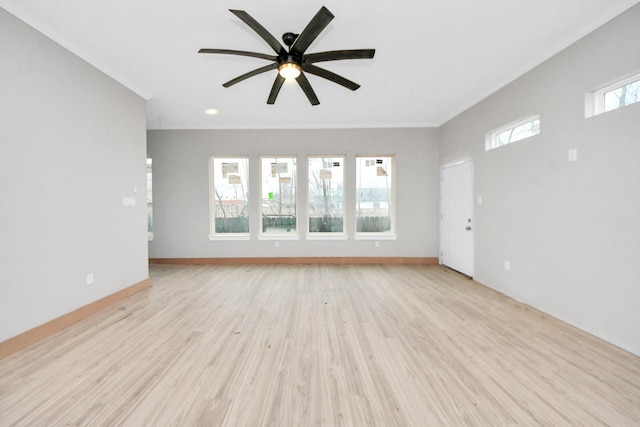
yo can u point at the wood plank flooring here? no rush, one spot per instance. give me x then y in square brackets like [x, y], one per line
[307, 345]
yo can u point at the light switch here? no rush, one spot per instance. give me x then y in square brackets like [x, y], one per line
[573, 155]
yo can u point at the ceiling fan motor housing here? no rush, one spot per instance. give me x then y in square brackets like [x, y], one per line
[289, 59]
[289, 38]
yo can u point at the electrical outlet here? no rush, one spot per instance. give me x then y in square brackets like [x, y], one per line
[90, 280]
[377, 244]
[277, 244]
[128, 201]
[507, 265]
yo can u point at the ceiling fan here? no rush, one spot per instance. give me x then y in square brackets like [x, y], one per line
[292, 62]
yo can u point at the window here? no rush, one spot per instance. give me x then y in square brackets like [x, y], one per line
[620, 94]
[513, 132]
[149, 198]
[278, 194]
[326, 195]
[374, 194]
[229, 196]
[624, 95]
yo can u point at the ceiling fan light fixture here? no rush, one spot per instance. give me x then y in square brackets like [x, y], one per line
[292, 62]
[289, 70]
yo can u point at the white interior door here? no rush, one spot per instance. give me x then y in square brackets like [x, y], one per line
[456, 217]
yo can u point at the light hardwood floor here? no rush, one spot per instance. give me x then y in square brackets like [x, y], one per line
[307, 345]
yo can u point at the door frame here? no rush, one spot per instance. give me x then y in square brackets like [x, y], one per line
[471, 186]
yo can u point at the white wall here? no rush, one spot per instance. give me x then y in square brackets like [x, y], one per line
[569, 229]
[181, 189]
[72, 144]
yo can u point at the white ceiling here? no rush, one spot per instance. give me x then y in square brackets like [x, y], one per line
[434, 58]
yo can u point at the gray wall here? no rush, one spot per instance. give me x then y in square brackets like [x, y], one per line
[569, 229]
[73, 144]
[181, 189]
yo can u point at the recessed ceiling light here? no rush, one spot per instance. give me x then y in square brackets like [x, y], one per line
[211, 111]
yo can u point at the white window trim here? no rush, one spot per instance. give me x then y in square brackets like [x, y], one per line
[327, 236]
[212, 201]
[491, 135]
[279, 236]
[150, 235]
[388, 235]
[375, 236]
[229, 236]
[594, 100]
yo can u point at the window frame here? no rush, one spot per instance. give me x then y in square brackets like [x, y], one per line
[595, 100]
[262, 235]
[391, 234]
[491, 142]
[328, 235]
[149, 195]
[213, 235]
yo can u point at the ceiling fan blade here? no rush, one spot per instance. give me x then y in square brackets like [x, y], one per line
[312, 30]
[251, 74]
[240, 53]
[262, 32]
[334, 55]
[275, 89]
[321, 72]
[307, 89]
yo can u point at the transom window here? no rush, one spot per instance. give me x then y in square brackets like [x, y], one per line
[513, 132]
[622, 96]
[612, 97]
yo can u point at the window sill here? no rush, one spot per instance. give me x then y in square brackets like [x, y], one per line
[326, 236]
[229, 237]
[375, 236]
[278, 237]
